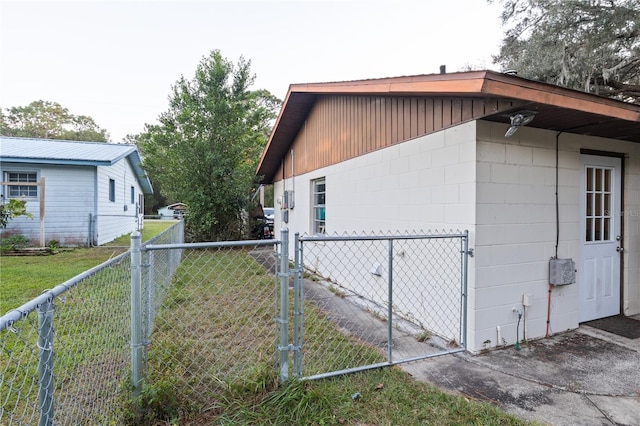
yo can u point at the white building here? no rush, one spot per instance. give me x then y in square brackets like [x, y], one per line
[89, 194]
[430, 152]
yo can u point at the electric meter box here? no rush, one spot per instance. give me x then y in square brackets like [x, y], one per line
[562, 271]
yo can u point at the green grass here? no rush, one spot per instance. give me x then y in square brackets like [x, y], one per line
[24, 277]
[211, 359]
[218, 369]
[377, 397]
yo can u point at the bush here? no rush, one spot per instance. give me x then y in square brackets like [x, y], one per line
[13, 242]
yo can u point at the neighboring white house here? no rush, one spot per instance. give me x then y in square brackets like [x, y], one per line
[93, 192]
[430, 152]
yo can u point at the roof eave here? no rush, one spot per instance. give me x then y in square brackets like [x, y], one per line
[477, 83]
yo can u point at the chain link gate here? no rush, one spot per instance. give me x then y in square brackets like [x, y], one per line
[362, 302]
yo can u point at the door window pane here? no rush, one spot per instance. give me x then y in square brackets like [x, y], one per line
[598, 204]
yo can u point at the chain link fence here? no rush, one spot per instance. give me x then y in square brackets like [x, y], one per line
[399, 298]
[182, 325]
[65, 355]
[67, 345]
[214, 330]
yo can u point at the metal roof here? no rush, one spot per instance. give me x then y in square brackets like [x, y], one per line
[558, 108]
[77, 153]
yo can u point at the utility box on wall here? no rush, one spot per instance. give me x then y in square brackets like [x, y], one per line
[562, 271]
[288, 201]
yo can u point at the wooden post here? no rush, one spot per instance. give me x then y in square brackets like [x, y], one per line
[42, 235]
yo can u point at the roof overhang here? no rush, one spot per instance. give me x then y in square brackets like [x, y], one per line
[558, 108]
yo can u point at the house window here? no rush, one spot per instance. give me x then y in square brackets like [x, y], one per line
[319, 195]
[22, 191]
[112, 190]
[133, 195]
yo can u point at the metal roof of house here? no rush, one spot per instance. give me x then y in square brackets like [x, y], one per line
[557, 108]
[77, 153]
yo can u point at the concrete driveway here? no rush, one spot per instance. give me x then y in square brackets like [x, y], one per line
[581, 377]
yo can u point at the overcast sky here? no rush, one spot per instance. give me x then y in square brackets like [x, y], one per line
[117, 60]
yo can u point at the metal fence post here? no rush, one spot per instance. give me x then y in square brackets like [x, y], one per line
[151, 308]
[465, 271]
[45, 362]
[390, 307]
[298, 310]
[283, 346]
[136, 312]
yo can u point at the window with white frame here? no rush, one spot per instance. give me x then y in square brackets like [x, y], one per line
[112, 190]
[318, 202]
[22, 191]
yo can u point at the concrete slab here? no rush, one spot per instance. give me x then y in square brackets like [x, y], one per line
[580, 377]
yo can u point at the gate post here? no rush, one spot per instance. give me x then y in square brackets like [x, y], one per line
[45, 363]
[283, 346]
[390, 305]
[298, 308]
[136, 312]
[464, 284]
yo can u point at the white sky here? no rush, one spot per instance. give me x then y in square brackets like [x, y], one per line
[116, 61]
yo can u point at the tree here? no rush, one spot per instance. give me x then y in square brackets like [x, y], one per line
[13, 208]
[590, 45]
[205, 149]
[50, 120]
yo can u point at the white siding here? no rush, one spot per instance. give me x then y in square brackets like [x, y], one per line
[68, 204]
[71, 204]
[119, 217]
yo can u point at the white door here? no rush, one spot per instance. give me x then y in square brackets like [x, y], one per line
[600, 207]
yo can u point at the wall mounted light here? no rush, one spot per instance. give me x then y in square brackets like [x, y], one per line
[519, 119]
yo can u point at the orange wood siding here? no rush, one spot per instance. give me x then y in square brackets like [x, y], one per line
[341, 127]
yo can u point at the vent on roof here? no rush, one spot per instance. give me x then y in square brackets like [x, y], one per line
[443, 69]
[511, 72]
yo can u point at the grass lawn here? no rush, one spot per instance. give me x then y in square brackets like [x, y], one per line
[24, 277]
[218, 369]
[217, 317]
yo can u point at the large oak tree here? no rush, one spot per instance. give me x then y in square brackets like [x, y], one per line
[205, 149]
[589, 45]
[49, 120]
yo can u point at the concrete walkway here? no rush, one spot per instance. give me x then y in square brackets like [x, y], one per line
[581, 377]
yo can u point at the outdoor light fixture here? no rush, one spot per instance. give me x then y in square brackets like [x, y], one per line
[518, 119]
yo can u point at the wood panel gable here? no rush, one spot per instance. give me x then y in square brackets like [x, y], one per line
[354, 112]
[342, 127]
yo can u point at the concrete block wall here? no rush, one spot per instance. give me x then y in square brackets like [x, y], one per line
[516, 230]
[423, 184]
[503, 191]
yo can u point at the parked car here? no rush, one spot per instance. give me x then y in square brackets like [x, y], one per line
[269, 213]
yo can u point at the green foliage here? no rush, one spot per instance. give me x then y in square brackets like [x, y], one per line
[50, 120]
[13, 208]
[158, 403]
[205, 150]
[13, 242]
[586, 45]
